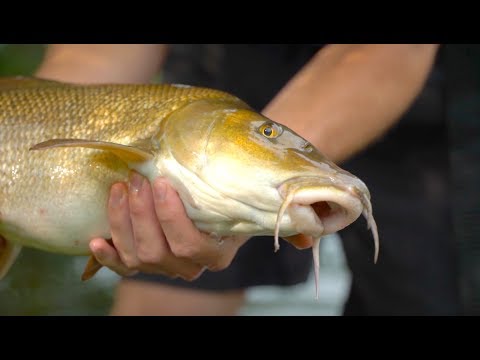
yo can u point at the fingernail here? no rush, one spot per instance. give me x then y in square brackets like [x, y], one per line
[159, 190]
[136, 182]
[97, 250]
[117, 196]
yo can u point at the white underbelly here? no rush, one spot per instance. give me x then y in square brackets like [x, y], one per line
[62, 228]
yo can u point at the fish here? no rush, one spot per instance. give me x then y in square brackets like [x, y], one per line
[237, 172]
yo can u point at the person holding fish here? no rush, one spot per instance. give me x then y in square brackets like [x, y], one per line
[341, 98]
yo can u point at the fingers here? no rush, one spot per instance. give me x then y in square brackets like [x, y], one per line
[120, 225]
[152, 250]
[108, 256]
[184, 239]
[151, 232]
[139, 242]
[149, 237]
[230, 247]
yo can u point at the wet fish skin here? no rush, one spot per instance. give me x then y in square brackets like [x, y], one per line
[62, 146]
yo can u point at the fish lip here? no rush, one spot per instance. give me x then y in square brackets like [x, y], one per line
[345, 189]
[345, 200]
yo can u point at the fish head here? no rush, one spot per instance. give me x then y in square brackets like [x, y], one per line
[248, 157]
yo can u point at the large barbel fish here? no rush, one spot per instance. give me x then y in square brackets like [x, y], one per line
[62, 146]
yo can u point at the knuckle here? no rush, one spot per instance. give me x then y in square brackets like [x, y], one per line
[167, 212]
[166, 216]
[116, 218]
[137, 209]
[131, 263]
[185, 251]
[150, 257]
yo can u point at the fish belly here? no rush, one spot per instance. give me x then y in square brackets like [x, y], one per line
[56, 200]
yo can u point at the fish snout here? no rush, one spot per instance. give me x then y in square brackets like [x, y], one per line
[320, 206]
[350, 183]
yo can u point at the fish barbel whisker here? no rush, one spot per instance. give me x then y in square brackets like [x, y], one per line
[281, 211]
[316, 259]
[316, 264]
[316, 240]
[372, 225]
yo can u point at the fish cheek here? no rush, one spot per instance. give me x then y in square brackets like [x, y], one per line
[185, 134]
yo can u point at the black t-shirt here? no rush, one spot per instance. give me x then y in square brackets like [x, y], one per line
[256, 72]
[409, 169]
[253, 72]
[406, 171]
[463, 119]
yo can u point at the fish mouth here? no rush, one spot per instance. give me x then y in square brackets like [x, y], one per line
[318, 207]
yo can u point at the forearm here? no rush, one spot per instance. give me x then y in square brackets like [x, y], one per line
[349, 95]
[114, 63]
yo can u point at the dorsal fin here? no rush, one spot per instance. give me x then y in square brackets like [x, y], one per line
[17, 82]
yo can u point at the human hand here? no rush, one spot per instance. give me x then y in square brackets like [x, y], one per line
[151, 233]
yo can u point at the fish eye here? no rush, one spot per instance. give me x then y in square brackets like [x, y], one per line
[269, 130]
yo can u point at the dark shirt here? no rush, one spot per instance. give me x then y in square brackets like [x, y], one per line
[408, 172]
[463, 119]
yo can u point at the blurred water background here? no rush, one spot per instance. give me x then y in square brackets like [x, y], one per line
[41, 283]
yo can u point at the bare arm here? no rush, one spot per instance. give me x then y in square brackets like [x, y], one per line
[85, 63]
[349, 95]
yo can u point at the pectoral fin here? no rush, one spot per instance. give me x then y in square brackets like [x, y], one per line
[129, 154]
[91, 268]
[300, 241]
[8, 254]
